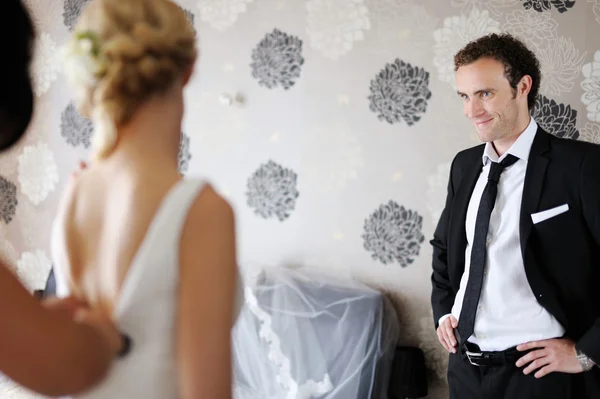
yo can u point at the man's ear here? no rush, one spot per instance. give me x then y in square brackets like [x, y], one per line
[524, 86]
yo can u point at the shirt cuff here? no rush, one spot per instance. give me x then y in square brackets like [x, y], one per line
[444, 317]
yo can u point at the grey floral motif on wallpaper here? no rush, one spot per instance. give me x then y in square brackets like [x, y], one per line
[185, 155]
[596, 9]
[45, 65]
[334, 25]
[393, 234]
[534, 28]
[221, 14]
[560, 59]
[591, 133]
[33, 268]
[272, 191]
[75, 128]
[385, 10]
[401, 24]
[561, 62]
[38, 172]
[400, 93]
[71, 11]
[545, 5]
[591, 87]
[455, 32]
[8, 200]
[495, 7]
[555, 118]
[277, 60]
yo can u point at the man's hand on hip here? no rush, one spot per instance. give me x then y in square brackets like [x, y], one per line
[445, 333]
[548, 356]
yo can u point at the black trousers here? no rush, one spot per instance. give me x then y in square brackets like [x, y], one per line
[507, 382]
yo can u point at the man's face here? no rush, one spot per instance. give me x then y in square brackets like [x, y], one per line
[488, 100]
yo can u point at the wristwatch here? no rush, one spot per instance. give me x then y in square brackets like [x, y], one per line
[586, 363]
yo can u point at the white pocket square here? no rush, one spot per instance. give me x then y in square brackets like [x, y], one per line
[549, 213]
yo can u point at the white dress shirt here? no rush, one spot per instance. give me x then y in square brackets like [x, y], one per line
[508, 313]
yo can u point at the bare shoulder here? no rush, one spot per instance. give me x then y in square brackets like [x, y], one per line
[209, 233]
[208, 209]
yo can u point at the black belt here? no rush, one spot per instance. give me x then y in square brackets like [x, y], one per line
[480, 358]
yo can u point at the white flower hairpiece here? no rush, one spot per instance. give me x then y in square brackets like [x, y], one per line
[84, 61]
[85, 65]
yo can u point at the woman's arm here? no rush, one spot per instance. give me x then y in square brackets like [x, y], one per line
[46, 351]
[208, 278]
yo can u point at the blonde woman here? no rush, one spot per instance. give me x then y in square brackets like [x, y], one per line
[152, 250]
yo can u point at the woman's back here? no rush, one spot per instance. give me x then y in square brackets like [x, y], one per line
[121, 252]
[141, 294]
[107, 213]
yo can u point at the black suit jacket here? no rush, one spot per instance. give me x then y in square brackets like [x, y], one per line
[561, 255]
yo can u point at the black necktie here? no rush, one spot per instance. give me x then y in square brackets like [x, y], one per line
[466, 320]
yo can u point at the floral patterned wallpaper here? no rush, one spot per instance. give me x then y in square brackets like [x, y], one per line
[330, 125]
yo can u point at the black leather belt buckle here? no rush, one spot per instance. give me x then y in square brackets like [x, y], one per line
[475, 358]
[479, 359]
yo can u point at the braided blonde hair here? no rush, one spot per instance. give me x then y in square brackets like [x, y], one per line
[140, 47]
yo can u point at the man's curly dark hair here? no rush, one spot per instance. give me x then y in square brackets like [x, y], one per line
[517, 59]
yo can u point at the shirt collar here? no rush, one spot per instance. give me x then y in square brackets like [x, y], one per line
[520, 148]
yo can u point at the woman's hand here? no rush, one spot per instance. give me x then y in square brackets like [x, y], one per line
[80, 311]
[69, 305]
[104, 325]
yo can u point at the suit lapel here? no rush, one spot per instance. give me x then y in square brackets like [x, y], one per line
[457, 234]
[534, 181]
[532, 190]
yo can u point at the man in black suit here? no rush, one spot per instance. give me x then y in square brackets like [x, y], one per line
[516, 253]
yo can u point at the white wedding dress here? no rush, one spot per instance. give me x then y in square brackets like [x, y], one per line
[146, 308]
